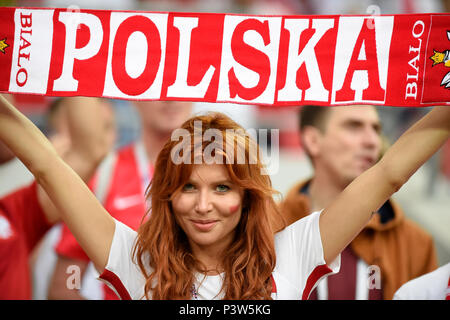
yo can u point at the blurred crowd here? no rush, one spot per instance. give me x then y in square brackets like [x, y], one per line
[252, 6]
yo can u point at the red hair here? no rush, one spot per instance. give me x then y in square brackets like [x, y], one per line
[163, 246]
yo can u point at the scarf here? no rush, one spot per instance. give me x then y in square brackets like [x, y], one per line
[392, 60]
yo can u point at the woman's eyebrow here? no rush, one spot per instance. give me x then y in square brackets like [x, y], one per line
[213, 180]
[220, 181]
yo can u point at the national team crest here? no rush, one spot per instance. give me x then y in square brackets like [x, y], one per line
[3, 45]
[436, 77]
[444, 58]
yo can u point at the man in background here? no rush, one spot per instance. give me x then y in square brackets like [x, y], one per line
[342, 143]
[27, 214]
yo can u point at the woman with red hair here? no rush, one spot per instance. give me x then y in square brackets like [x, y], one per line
[209, 232]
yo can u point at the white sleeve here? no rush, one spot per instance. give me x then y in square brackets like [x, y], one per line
[401, 294]
[121, 274]
[300, 259]
[430, 286]
[415, 289]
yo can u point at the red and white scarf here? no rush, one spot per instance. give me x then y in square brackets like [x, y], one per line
[393, 60]
[447, 293]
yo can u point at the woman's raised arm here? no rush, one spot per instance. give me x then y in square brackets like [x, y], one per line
[92, 226]
[352, 209]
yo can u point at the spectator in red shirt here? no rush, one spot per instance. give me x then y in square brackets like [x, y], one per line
[26, 214]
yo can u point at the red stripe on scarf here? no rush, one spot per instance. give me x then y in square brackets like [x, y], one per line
[393, 60]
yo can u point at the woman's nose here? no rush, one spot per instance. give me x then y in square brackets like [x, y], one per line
[203, 204]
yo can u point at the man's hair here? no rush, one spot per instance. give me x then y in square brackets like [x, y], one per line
[314, 116]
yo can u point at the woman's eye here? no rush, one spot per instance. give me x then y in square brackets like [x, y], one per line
[222, 188]
[188, 187]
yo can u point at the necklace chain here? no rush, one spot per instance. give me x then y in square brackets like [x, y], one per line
[194, 292]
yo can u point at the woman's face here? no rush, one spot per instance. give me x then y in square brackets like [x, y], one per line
[208, 207]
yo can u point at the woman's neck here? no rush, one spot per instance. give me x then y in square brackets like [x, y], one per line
[210, 257]
[210, 261]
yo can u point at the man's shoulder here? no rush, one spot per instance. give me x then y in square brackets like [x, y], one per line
[296, 190]
[407, 224]
[295, 205]
[25, 195]
[415, 231]
[125, 158]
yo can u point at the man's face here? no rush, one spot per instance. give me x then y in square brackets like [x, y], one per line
[163, 116]
[350, 143]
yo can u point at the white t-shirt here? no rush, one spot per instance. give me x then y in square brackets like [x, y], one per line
[299, 264]
[434, 285]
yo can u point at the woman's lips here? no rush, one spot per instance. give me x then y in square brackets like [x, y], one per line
[204, 225]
